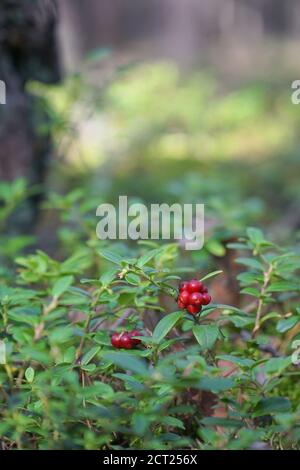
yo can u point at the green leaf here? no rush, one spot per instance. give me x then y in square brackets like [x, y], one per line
[165, 325]
[269, 316]
[89, 355]
[108, 276]
[223, 307]
[274, 365]
[250, 277]
[128, 362]
[89, 368]
[272, 405]
[148, 257]
[240, 361]
[133, 279]
[61, 334]
[215, 247]
[29, 374]
[255, 235]
[215, 384]
[98, 389]
[286, 324]
[171, 421]
[110, 256]
[212, 274]
[69, 355]
[240, 321]
[284, 286]
[224, 422]
[140, 423]
[130, 381]
[79, 292]
[61, 285]
[76, 263]
[251, 291]
[206, 335]
[251, 263]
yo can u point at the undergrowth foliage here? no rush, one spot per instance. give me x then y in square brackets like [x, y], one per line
[222, 377]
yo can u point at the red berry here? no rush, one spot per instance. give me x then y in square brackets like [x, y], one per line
[181, 304]
[115, 340]
[193, 309]
[135, 341]
[125, 341]
[194, 286]
[195, 298]
[206, 299]
[183, 286]
[184, 297]
[204, 290]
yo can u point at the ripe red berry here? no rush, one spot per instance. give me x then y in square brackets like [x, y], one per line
[192, 295]
[206, 299]
[135, 341]
[183, 286]
[193, 309]
[195, 298]
[194, 286]
[115, 340]
[184, 297]
[126, 341]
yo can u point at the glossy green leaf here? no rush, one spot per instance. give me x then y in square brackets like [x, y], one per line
[206, 335]
[165, 325]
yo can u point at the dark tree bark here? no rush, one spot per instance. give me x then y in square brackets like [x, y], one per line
[28, 51]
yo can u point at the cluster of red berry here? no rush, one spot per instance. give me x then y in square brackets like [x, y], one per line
[192, 295]
[125, 340]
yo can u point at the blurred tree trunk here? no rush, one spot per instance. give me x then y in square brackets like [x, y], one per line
[28, 51]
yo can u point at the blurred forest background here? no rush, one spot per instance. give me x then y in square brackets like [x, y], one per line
[163, 100]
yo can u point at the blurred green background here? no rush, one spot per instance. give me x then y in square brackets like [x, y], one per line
[163, 102]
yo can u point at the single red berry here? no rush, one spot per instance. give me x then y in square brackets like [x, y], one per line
[183, 286]
[184, 297]
[193, 309]
[180, 304]
[135, 341]
[125, 341]
[115, 340]
[194, 286]
[195, 298]
[206, 299]
[204, 290]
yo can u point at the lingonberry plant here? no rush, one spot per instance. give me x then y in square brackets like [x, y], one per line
[122, 347]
